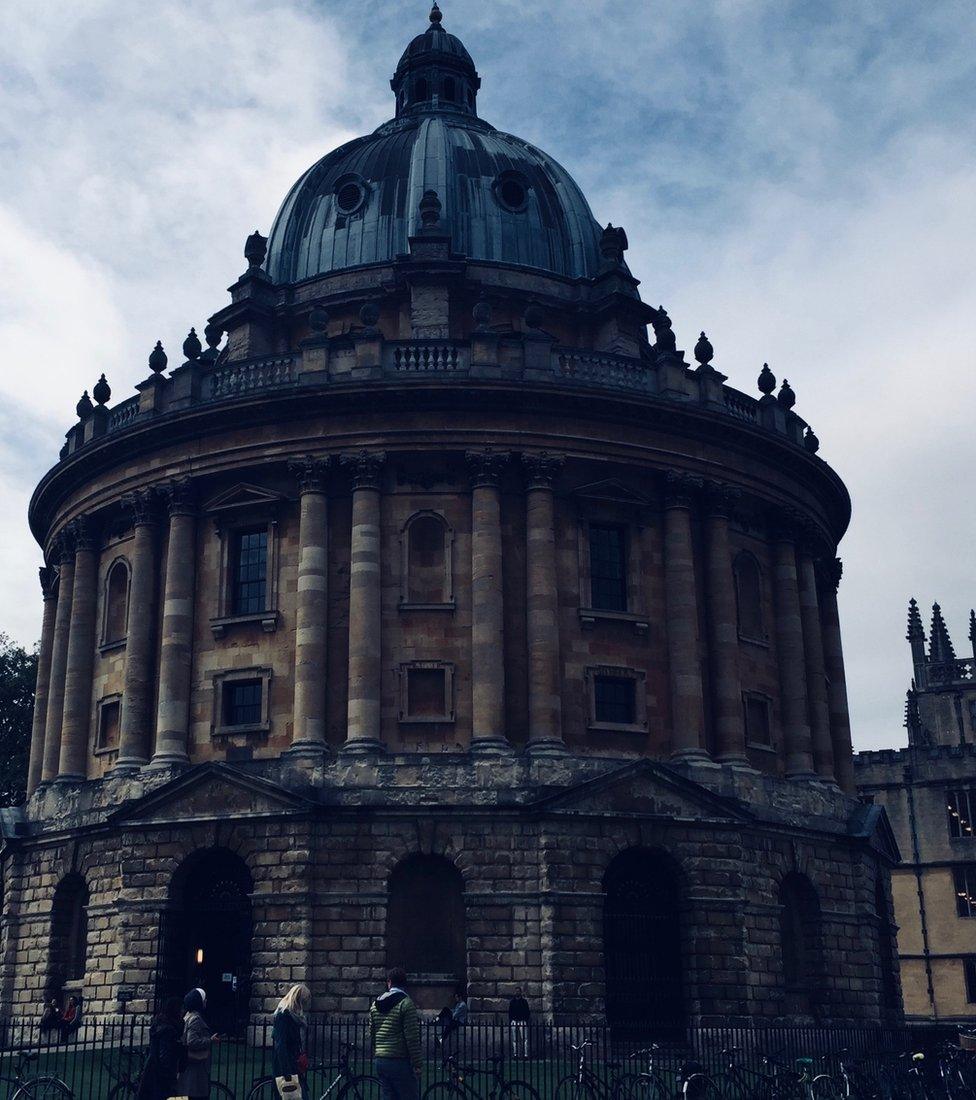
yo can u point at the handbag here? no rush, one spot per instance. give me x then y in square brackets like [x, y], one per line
[289, 1087]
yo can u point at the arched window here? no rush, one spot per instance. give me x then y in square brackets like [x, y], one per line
[205, 936]
[748, 596]
[420, 91]
[642, 940]
[801, 944]
[69, 932]
[450, 90]
[425, 926]
[886, 948]
[115, 621]
[427, 576]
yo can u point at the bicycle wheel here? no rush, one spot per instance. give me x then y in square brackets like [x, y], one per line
[570, 1088]
[221, 1092]
[517, 1090]
[43, 1088]
[644, 1086]
[361, 1088]
[827, 1088]
[443, 1090]
[700, 1087]
[264, 1088]
[124, 1090]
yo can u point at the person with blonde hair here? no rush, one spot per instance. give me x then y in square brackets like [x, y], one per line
[289, 1060]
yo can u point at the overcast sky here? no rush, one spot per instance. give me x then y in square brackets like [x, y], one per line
[797, 178]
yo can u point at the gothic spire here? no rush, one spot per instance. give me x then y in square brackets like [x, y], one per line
[972, 630]
[915, 628]
[940, 644]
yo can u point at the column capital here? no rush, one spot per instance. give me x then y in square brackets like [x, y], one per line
[365, 468]
[485, 468]
[721, 499]
[82, 533]
[312, 474]
[829, 572]
[785, 525]
[681, 488]
[542, 469]
[180, 496]
[48, 576]
[140, 506]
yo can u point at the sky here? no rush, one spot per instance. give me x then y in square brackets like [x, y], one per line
[796, 178]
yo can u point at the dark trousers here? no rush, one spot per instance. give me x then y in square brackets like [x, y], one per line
[397, 1079]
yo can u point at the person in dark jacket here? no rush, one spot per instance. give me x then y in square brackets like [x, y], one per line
[519, 1017]
[288, 1030]
[194, 1079]
[70, 1018]
[158, 1081]
[459, 1017]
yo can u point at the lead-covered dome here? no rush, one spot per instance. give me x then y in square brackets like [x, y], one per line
[503, 200]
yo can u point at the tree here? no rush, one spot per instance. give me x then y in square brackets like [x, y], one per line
[18, 672]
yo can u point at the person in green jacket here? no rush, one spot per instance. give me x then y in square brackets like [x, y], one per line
[394, 1028]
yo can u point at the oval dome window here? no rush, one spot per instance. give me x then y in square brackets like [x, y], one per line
[512, 192]
[350, 197]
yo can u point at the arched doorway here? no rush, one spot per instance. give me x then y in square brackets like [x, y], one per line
[205, 936]
[425, 927]
[642, 941]
[68, 952]
[801, 944]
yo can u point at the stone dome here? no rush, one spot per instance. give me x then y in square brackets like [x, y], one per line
[503, 200]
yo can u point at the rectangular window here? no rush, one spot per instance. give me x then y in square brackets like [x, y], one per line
[614, 700]
[756, 709]
[426, 693]
[250, 573]
[242, 703]
[959, 808]
[608, 568]
[964, 880]
[969, 967]
[108, 725]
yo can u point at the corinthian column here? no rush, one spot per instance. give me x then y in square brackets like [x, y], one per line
[790, 652]
[723, 628]
[365, 609]
[542, 605]
[840, 719]
[311, 613]
[76, 725]
[48, 579]
[487, 607]
[176, 646]
[813, 650]
[681, 597]
[136, 721]
[59, 660]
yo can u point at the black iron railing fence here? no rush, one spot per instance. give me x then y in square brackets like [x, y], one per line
[103, 1061]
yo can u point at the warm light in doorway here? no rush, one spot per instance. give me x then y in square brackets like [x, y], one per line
[199, 956]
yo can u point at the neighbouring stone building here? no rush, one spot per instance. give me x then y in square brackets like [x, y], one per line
[431, 613]
[929, 792]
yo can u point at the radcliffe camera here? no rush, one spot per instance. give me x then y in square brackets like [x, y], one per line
[458, 670]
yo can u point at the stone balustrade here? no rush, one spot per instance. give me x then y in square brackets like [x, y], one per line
[667, 378]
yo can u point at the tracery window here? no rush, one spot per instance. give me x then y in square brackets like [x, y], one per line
[960, 807]
[116, 615]
[748, 597]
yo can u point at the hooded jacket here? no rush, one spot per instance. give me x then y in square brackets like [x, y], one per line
[395, 1027]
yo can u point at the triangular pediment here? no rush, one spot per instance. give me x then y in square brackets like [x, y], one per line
[611, 490]
[649, 789]
[871, 823]
[213, 792]
[243, 496]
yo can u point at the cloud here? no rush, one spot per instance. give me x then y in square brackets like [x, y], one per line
[795, 178]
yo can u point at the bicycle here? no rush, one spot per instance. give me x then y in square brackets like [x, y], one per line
[585, 1084]
[42, 1087]
[457, 1086]
[350, 1085]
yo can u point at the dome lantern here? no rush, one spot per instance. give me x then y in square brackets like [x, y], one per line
[436, 73]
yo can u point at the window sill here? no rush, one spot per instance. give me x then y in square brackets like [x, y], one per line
[449, 605]
[108, 750]
[108, 647]
[443, 720]
[235, 731]
[267, 619]
[763, 643]
[617, 727]
[758, 746]
[590, 615]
